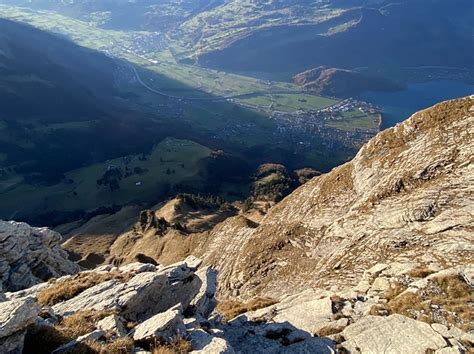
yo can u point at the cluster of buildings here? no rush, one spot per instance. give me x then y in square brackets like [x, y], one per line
[350, 104]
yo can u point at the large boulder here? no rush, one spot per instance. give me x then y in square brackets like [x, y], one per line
[392, 334]
[309, 310]
[164, 325]
[29, 255]
[205, 343]
[140, 297]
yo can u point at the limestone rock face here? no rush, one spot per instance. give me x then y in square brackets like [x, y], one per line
[136, 298]
[114, 324]
[392, 334]
[160, 304]
[29, 255]
[15, 316]
[205, 301]
[163, 325]
[408, 194]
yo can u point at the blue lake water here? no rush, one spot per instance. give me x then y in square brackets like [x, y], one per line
[397, 106]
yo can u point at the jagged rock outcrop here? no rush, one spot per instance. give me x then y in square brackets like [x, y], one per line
[29, 255]
[408, 194]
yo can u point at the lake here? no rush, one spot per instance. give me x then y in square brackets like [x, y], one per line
[397, 106]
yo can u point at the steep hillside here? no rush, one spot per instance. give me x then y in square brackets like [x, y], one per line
[407, 197]
[56, 97]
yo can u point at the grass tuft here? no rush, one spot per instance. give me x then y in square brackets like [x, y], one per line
[230, 309]
[65, 290]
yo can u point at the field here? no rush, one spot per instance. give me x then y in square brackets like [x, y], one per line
[289, 102]
[355, 120]
[171, 162]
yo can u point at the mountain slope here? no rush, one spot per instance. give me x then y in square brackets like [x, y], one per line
[56, 96]
[381, 37]
[407, 196]
[335, 82]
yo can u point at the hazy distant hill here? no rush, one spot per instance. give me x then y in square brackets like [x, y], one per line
[124, 14]
[395, 35]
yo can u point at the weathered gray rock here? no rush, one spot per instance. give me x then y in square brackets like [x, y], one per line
[93, 336]
[252, 337]
[450, 350]
[31, 291]
[309, 311]
[333, 327]
[392, 334]
[164, 325]
[205, 301]
[138, 268]
[142, 296]
[114, 324]
[204, 343]
[15, 316]
[12, 344]
[29, 255]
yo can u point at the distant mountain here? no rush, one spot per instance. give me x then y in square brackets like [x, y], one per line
[151, 15]
[378, 36]
[335, 82]
[283, 38]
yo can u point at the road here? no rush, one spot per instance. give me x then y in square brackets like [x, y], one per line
[215, 99]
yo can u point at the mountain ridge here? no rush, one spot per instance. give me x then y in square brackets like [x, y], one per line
[385, 199]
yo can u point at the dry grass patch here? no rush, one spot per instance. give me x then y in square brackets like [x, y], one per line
[420, 272]
[44, 339]
[230, 309]
[394, 290]
[119, 346]
[451, 296]
[82, 322]
[457, 298]
[65, 290]
[178, 345]
[409, 304]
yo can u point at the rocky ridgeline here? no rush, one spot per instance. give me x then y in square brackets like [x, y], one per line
[141, 308]
[29, 255]
[407, 196]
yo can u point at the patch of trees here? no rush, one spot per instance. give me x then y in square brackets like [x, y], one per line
[135, 171]
[111, 178]
[199, 201]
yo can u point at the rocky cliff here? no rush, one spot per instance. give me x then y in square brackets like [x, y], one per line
[29, 255]
[406, 197]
